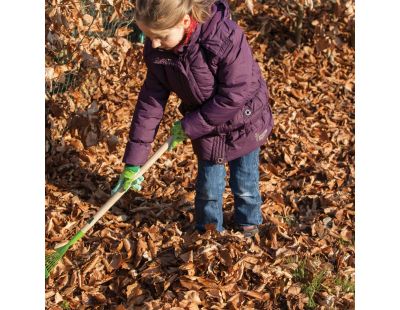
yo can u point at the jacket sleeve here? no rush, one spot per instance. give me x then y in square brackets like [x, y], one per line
[234, 90]
[146, 119]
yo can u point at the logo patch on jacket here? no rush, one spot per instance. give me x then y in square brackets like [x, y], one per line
[261, 136]
[165, 61]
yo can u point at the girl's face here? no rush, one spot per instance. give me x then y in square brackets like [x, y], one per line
[169, 38]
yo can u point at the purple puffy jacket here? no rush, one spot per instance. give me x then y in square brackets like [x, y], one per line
[224, 97]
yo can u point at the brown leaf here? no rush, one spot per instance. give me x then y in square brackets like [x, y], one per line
[58, 298]
[91, 139]
[250, 6]
[295, 289]
[122, 31]
[190, 283]
[112, 142]
[141, 248]
[322, 44]
[91, 264]
[257, 295]
[193, 296]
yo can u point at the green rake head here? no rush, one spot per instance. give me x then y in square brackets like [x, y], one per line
[51, 260]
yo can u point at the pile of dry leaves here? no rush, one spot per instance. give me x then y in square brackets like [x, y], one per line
[144, 254]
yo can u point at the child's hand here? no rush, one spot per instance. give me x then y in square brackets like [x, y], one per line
[127, 180]
[178, 134]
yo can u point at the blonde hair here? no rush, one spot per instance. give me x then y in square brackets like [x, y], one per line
[164, 14]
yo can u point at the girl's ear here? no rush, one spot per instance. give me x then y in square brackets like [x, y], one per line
[186, 21]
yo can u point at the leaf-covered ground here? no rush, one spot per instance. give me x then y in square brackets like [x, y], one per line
[144, 253]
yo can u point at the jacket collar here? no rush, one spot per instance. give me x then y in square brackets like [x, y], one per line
[219, 11]
[192, 27]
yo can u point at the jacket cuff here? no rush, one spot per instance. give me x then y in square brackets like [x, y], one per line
[195, 126]
[136, 153]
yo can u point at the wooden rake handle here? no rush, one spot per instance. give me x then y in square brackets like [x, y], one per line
[114, 198]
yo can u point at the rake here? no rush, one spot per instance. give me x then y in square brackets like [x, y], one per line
[52, 259]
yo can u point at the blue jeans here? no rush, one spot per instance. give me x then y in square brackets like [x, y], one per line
[210, 185]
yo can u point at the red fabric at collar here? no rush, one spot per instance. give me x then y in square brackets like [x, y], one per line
[188, 33]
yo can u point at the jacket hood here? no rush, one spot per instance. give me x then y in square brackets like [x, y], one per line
[219, 12]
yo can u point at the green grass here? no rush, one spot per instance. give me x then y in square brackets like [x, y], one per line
[288, 219]
[65, 305]
[346, 285]
[310, 284]
[312, 287]
[299, 274]
[345, 242]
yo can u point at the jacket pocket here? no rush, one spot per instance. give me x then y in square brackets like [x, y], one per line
[248, 113]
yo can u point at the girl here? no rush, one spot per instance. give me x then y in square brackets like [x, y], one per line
[195, 50]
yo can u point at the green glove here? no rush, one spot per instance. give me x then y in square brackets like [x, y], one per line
[127, 181]
[178, 134]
